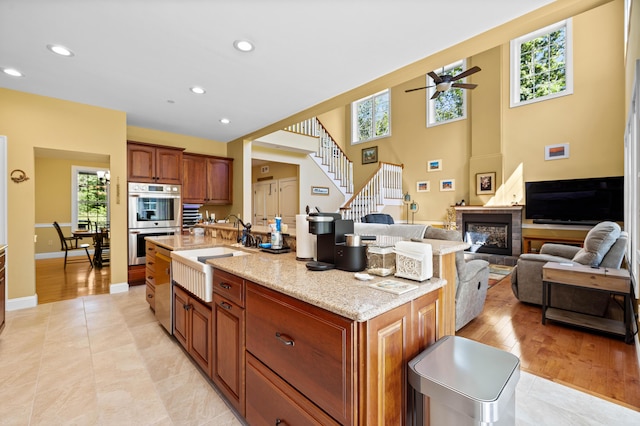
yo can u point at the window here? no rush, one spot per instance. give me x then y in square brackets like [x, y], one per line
[450, 105]
[541, 65]
[90, 197]
[371, 117]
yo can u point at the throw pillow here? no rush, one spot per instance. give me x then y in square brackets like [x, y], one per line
[597, 243]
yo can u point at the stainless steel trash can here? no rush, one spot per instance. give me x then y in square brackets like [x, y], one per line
[468, 383]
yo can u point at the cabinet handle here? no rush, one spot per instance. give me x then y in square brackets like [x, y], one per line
[225, 285]
[149, 263]
[187, 307]
[150, 296]
[285, 339]
[225, 305]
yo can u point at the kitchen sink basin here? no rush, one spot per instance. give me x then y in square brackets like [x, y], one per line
[190, 270]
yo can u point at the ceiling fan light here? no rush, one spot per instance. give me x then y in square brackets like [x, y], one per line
[443, 86]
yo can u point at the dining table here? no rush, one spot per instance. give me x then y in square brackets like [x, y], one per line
[98, 241]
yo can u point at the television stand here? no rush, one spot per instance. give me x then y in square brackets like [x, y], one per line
[566, 222]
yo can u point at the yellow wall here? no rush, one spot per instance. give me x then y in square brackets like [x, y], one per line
[31, 121]
[632, 53]
[511, 141]
[276, 171]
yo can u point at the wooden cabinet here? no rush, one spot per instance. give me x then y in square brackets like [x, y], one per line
[309, 348]
[387, 343]
[3, 284]
[207, 179]
[154, 163]
[150, 279]
[229, 337]
[276, 402]
[193, 327]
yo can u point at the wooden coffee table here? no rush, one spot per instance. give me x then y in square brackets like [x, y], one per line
[612, 281]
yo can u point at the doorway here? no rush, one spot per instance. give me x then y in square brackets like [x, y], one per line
[54, 201]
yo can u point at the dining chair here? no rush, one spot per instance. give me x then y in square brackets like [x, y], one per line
[71, 243]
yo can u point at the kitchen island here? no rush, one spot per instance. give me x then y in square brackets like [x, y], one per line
[311, 347]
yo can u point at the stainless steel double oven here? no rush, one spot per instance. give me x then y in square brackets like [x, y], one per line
[154, 210]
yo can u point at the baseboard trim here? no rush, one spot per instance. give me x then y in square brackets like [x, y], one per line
[118, 288]
[22, 303]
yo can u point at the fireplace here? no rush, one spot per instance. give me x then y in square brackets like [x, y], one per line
[491, 230]
[487, 233]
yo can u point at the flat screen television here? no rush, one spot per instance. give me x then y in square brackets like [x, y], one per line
[575, 201]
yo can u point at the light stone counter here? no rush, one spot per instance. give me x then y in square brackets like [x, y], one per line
[186, 242]
[334, 290]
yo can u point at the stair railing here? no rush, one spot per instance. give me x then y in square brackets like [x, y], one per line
[329, 152]
[384, 184]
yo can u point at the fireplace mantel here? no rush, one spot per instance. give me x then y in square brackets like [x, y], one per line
[516, 220]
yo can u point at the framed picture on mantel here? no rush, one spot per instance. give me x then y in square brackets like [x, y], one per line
[485, 183]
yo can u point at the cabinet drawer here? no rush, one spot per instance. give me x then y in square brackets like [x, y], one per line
[151, 296]
[310, 348]
[270, 400]
[229, 286]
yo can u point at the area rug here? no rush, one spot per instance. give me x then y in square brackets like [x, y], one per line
[497, 273]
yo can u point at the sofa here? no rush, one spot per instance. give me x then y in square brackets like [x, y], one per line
[472, 277]
[604, 246]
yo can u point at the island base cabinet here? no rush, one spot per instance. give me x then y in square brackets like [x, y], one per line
[192, 327]
[392, 339]
[272, 401]
[228, 347]
[310, 348]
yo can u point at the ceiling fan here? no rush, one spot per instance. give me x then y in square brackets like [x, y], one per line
[445, 82]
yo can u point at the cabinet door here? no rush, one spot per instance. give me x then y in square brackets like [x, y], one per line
[168, 166]
[219, 181]
[194, 179]
[180, 316]
[228, 346]
[288, 200]
[200, 346]
[141, 163]
[265, 202]
[384, 377]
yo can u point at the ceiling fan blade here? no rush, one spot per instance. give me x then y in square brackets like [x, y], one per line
[435, 77]
[466, 73]
[464, 85]
[435, 95]
[417, 88]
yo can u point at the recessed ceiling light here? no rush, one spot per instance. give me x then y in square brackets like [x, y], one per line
[12, 72]
[198, 90]
[243, 45]
[60, 50]
[225, 121]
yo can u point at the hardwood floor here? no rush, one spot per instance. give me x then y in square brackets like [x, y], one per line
[54, 283]
[597, 364]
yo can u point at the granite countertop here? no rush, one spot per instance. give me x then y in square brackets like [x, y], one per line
[186, 242]
[334, 290]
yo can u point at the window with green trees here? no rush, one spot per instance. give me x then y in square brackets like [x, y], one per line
[91, 198]
[541, 65]
[450, 105]
[371, 117]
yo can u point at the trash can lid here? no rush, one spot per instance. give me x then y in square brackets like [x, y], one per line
[475, 370]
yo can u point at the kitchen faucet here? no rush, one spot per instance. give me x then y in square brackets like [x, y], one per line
[246, 238]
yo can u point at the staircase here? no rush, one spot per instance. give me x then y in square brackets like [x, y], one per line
[383, 188]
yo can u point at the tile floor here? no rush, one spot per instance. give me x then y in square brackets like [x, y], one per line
[103, 360]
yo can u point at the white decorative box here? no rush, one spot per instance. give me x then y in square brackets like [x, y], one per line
[414, 260]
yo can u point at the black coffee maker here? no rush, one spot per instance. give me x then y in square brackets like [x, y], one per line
[332, 252]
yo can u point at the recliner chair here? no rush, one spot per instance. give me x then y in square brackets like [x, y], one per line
[472, 279]
[604, 246]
